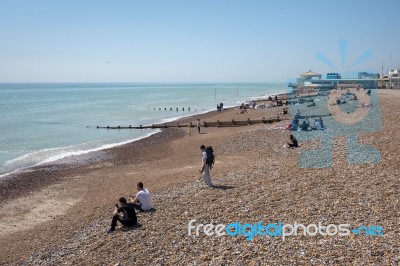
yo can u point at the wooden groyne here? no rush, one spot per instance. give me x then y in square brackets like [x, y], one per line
[171, 109]
[218, 123]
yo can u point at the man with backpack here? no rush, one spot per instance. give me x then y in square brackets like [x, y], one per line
[207, 156]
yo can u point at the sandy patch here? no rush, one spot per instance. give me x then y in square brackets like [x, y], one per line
[35, 208]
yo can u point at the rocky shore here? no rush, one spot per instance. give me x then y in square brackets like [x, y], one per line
[59, 214]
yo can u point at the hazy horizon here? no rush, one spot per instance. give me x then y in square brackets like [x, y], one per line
[192, 42]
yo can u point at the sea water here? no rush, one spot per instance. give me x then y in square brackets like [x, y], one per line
[41, 123]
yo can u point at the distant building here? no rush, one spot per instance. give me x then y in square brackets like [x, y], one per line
[390, 80]
[311, 80]
[394, 73]
[309, 76]
[366, 75]
[333, 76]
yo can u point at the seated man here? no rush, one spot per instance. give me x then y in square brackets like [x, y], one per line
[129, 215]
[304, 126]
[294, 143]
[143, 200]
[307, 122]
[317, 125]
[321, 122]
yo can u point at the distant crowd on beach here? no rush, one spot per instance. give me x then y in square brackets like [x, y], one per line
[350, 96]
[305, 125]
[275, 102]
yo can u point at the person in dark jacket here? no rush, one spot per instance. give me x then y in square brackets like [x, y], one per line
[294, 143]
[128, 219]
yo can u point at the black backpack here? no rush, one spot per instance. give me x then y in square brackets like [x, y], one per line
[210, 156]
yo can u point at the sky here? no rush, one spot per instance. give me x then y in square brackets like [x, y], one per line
[193, 40]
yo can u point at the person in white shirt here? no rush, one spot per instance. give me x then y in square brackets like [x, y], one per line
[205, 170]
[317, 125]
[143, 200]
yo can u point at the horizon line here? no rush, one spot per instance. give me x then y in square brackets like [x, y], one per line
[133, 82]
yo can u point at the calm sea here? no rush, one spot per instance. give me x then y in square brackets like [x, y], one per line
[45, 122]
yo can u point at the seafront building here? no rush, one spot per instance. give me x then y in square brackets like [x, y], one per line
[311, 80]
[390, 80]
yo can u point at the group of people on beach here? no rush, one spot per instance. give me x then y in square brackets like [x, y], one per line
[125, 210]
[142, 202]
[318, 124]
[295, 125]
[351, 96]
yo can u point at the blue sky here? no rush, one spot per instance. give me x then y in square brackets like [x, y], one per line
[191, 41]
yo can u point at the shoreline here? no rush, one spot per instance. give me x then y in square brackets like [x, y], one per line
[86, 153]
[72, 178]
[66, 158]
[65, 154]
[30, 179]
[254, 176]
[83, 154]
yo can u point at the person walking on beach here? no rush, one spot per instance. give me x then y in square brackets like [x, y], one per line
[205, 170]
[143, 200]
[128, 219]
[198, 125]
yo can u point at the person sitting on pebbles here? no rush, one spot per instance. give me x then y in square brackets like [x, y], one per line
[128, 219]
[143, 200]
[293, 143]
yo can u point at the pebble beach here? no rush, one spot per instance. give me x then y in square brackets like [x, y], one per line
[59, 213]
